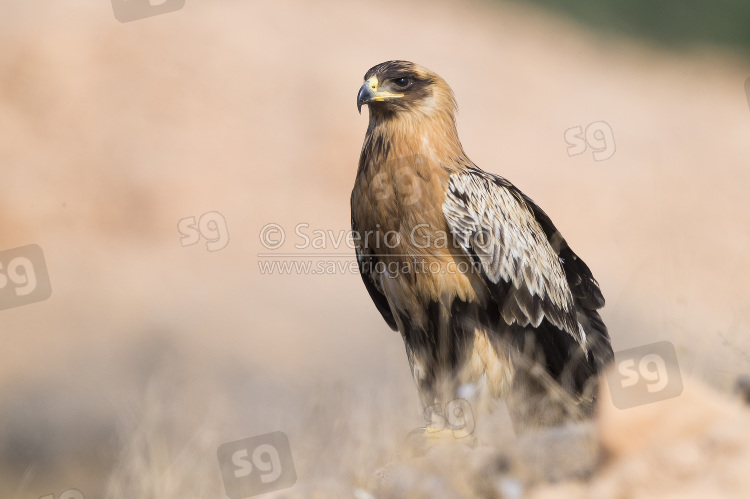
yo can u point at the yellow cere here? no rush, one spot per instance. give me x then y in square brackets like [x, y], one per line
[381, 96]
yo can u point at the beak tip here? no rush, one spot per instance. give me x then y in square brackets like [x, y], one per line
[364, 96]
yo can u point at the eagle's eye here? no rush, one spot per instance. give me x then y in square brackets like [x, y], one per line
[402, 82]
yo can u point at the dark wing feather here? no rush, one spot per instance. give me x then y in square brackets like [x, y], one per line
[496, 227]
[584, 287]
[367, 263]
[580, 279]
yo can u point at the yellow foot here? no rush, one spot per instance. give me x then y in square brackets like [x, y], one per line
[428, 436]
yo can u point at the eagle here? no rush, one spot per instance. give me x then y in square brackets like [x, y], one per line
[491, 302]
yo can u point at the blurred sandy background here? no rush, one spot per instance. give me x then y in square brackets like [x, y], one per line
[149, 355]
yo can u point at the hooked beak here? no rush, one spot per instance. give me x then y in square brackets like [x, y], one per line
[369, 92]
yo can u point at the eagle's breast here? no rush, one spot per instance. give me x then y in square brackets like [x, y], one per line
[397, 207]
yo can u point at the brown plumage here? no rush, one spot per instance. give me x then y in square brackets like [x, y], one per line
[488, 297]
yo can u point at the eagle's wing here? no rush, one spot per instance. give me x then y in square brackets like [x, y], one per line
[367, 262]
[522, 258]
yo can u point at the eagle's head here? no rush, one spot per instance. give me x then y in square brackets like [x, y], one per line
[396, 88]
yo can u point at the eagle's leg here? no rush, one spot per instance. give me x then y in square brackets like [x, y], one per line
[449, 370]
[547, 391]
